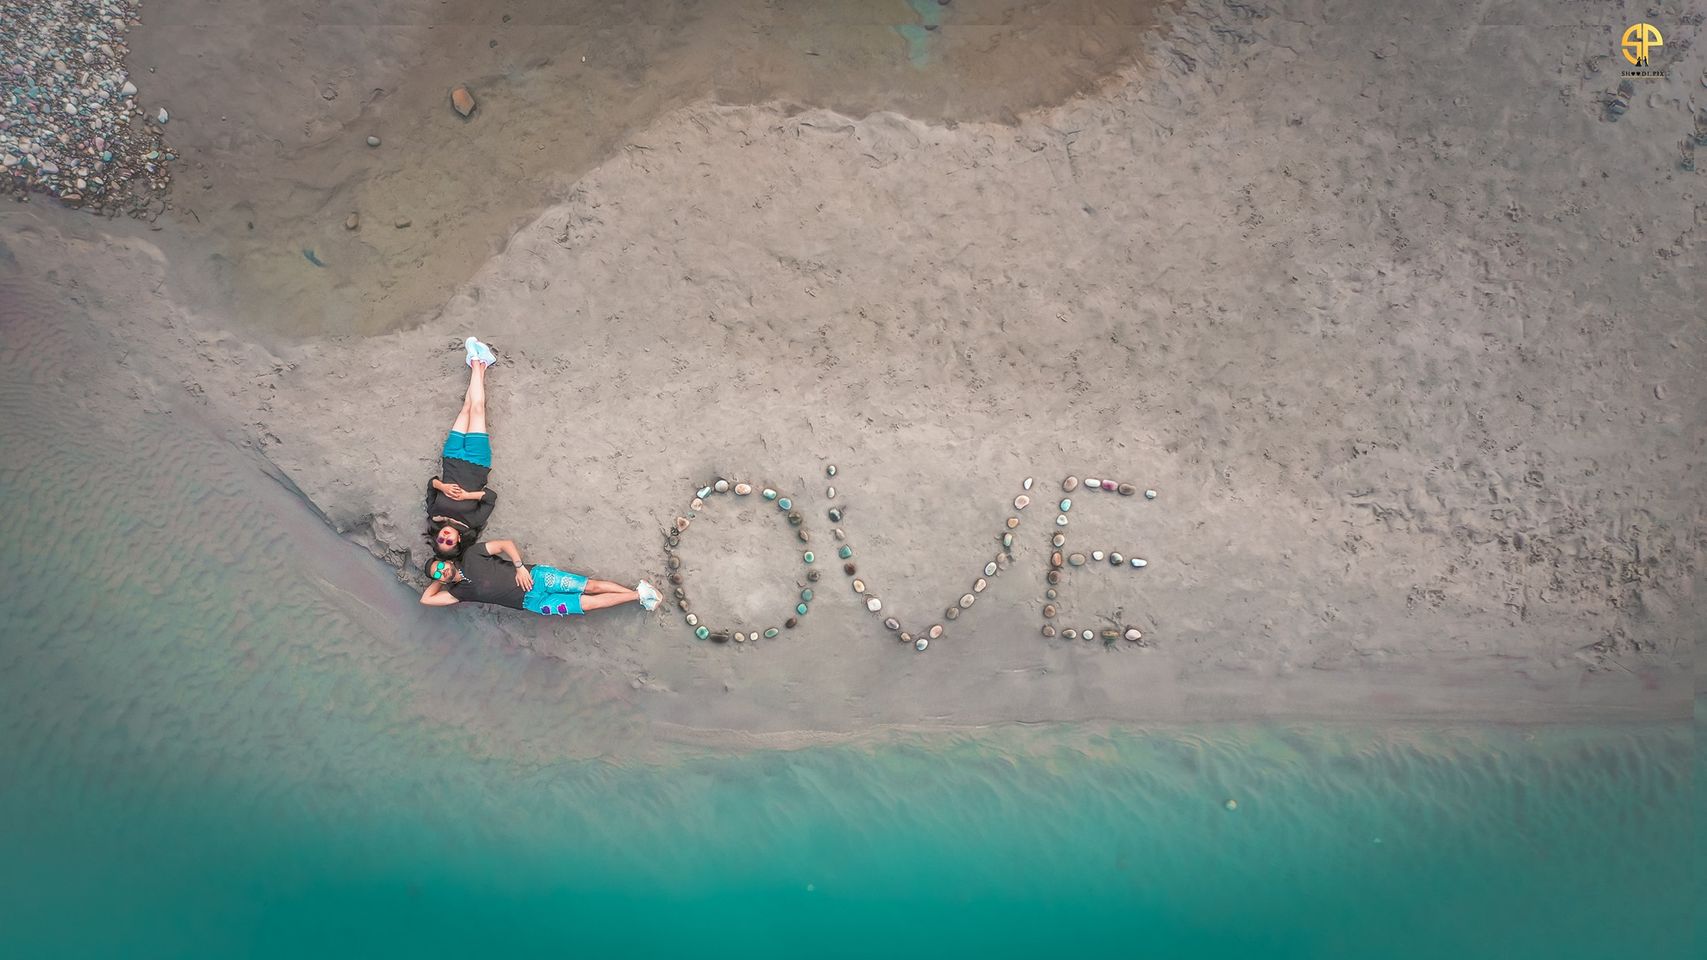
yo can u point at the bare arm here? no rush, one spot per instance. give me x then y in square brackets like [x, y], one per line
[456, 492]
[437, 596]
[524, 576]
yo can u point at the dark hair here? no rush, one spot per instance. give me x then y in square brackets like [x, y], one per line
[464, 536]
[427, 568]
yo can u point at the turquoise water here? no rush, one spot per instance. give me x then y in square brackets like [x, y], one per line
[226, 732]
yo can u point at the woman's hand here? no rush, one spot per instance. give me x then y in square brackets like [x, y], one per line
[455, 491]
[524, 578]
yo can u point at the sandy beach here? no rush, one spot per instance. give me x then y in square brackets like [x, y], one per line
[1401, 325]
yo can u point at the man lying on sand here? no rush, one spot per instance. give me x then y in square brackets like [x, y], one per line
[458, 501]
[495, 574]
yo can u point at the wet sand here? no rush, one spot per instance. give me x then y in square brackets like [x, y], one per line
[1397, 322]
[272, 104]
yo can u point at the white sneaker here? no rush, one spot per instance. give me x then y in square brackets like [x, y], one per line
[649, 595]
[478, 351]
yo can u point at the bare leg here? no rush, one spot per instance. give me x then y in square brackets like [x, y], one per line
[474, 401]
[605, 586]
[476, 390]
[604, 601]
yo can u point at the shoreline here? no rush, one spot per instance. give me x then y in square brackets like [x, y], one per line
[1396, 478]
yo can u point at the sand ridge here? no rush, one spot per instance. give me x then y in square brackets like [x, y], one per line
[1371, 309]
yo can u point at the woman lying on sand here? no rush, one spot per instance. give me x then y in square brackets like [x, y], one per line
[458, 501]
[486, 577]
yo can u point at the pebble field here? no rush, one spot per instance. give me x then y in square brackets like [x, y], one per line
[74, 124]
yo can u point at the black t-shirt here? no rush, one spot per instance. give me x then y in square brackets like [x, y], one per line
[472, 514]
[488, 579]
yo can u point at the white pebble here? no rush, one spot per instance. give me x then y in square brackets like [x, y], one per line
[1149, 494]
[162, 116]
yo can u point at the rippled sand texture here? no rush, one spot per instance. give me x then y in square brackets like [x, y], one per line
[191, 596]
[1393, 318]
[223, 732]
